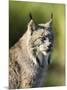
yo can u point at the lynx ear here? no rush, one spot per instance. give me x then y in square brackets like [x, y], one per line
[31, 25]
[51, 15]
[51, 19]
[30, 16]
[49, 23]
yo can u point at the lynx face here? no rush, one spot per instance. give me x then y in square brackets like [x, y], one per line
[41, 40]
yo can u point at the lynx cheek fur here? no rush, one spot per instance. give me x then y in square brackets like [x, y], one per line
[30, 56]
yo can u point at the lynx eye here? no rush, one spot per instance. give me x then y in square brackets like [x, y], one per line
[43, 27]
[49, 36]
[43, 38]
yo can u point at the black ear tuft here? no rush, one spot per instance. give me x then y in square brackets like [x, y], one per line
[51, 15]
[30, 15]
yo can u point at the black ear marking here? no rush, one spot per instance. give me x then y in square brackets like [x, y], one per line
[30, 15]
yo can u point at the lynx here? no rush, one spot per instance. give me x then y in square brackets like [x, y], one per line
[30, 56]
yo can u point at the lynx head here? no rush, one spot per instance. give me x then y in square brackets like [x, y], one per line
[41, 40]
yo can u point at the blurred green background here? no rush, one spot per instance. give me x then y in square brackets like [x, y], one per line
[41, 12]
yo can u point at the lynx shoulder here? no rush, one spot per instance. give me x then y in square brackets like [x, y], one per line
[28, 58]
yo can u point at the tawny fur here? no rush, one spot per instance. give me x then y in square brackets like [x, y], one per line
[24, 69]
